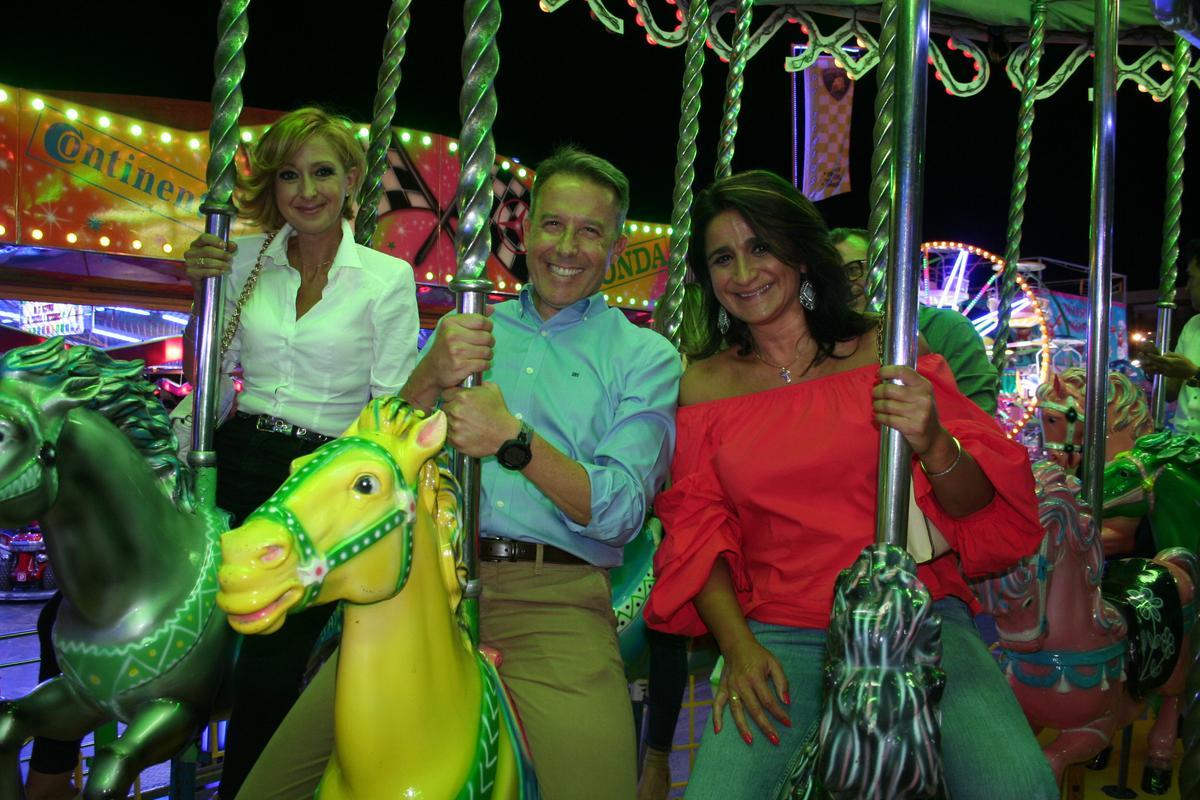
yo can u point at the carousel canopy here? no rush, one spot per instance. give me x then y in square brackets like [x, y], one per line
[1061, 15]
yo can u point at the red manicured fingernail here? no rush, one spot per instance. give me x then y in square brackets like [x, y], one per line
[716, 727]
[773, 739]
[787, 722]
[746, 738]
[787, 698]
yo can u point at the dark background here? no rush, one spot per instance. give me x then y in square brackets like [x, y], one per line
[563, 77]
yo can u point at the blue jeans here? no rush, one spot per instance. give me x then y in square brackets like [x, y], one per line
[988, 749]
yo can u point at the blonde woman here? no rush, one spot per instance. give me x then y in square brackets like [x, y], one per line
[327, 325]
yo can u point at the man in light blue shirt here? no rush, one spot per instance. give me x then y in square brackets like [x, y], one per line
[575, 426]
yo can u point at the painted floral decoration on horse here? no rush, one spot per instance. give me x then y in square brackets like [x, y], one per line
[1083, 650]
[372, 518]
[86, 448]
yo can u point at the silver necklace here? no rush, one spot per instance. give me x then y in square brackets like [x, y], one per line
[784, 370]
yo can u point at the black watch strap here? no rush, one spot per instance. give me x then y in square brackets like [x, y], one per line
[515, 454]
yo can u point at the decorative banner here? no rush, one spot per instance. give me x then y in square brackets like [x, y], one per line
[74, 177]
[828, 101]
[1067, 317]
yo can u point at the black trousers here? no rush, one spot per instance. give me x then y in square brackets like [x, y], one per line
[251, 465]
[668, 679]
[51, 756]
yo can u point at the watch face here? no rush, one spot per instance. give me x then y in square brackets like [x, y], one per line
[514, 455]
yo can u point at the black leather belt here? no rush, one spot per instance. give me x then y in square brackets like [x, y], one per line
[493, 549]
[263, 422]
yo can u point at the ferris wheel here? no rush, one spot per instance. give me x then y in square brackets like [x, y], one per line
[965, 278]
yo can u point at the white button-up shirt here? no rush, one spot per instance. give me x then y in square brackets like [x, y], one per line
[359, 341]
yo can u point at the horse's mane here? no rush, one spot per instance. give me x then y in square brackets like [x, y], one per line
[1062, 518]
[1166, 446]
[395, 416]
[1129, 406]
[121, 395]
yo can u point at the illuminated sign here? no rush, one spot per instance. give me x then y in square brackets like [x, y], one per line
[116, 166]
[53, 319]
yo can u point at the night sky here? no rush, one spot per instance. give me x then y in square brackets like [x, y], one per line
[564, 78]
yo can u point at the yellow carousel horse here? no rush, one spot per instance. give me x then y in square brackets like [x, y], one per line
[372, 518]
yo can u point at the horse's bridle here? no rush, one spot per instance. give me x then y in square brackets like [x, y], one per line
[315, 566]
[1148, 478]
[1074, 416]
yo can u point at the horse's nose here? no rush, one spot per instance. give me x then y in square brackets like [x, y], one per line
[257, 543]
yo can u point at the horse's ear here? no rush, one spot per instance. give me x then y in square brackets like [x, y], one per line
[430, 433]
[1057, 384]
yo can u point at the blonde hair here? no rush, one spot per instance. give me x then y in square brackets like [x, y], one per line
[256, 191]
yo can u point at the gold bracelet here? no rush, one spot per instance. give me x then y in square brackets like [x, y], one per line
[949, 469]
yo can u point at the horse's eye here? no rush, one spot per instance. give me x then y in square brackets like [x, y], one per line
[366, 484]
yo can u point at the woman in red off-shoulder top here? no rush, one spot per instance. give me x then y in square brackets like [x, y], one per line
[773, 493]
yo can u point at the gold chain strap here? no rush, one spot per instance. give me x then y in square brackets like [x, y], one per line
[247, 289]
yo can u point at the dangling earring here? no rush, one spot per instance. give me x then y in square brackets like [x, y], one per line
[723, 321]
[808, 295]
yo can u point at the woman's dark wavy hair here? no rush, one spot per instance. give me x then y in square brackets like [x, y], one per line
[792, 229]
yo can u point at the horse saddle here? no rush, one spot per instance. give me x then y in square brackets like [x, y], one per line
[1146, 595]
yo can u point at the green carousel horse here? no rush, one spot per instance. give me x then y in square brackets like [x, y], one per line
[372, 518]
[1159, 477]
[86, 449]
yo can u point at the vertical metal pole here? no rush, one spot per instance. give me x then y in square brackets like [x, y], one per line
[1169, 271]
[230, 65]
[733, 88]
[685, 170]
[882, 162]
[1104, 141]
[381, 121]
[1020, 183]
[895, 457]
[477, 155]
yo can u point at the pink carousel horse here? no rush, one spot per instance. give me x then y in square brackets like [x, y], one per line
[1083, 653]
[1060, 406]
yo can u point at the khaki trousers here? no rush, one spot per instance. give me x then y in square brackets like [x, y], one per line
[554, 626]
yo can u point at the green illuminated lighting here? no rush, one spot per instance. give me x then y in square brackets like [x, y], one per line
[670, 231]
[645, 229]
[194, 143]
[3, 96]
[522, 172]
[658, 230]
[104, 122]
[135, 129]
[454, 147]
[72, 114]
[247, 136]
[364, 132]
[165, 137]
[633, 227]
[606, 298]
[427, 140]
[38, 103]
[505, 165]
[406, 137]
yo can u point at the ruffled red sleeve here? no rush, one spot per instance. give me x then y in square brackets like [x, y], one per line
[1008, 528]
[700, 526]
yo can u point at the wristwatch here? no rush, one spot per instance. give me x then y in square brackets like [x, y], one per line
[515, 454]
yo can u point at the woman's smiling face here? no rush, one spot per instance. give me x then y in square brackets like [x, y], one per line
[747, 278]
